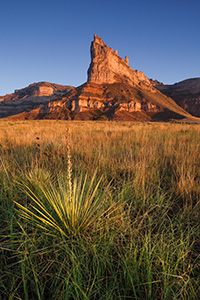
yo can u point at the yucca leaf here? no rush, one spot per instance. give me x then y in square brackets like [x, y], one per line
[54, 211]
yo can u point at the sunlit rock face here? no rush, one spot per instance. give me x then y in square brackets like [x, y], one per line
[107, 67]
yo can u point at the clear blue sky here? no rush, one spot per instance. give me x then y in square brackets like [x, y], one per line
[45, 40]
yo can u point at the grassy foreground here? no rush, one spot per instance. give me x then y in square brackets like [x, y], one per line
[129, 232]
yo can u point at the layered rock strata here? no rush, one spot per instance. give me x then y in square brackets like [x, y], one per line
[117, 101]
[31, 97]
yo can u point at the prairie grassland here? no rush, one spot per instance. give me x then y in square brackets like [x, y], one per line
[132, 235]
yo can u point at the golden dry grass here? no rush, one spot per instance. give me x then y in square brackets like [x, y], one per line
[154, 168]
[151, 152]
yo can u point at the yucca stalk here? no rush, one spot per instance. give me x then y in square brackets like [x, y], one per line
[69, 166]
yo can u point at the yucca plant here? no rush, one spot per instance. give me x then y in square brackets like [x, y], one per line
[66, 206]
[68, 209]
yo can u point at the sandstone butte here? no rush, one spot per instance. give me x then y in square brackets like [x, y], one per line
[113, 91]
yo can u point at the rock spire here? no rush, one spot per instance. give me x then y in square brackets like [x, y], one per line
[107, 67]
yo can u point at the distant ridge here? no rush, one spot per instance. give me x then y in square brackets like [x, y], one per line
[31, 97]
[186, 93]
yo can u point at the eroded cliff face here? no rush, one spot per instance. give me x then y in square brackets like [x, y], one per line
[117, 101]
[31, 97]
[92, 96]
[36, 92]
[107, 67]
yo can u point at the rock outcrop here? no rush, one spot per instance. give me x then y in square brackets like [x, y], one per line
[186, 94]
[107, 67]
[31, 97]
